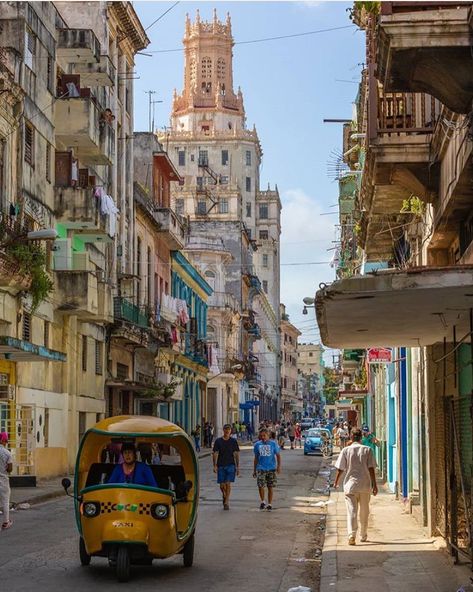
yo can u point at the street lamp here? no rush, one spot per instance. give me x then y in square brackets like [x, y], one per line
[308, 303]
[43, 234]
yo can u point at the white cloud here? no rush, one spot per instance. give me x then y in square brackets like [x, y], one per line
[301, 219]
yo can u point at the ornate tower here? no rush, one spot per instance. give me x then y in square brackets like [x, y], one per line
[208, 102]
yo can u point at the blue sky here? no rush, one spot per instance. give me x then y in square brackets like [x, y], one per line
[289, 87]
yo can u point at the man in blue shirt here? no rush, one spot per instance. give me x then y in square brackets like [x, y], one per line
[131, 471]
[267, 463]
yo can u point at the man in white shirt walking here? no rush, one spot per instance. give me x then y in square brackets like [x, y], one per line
[5, 470]
[358, 464]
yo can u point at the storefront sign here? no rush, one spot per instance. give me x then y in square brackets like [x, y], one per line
[380, 355]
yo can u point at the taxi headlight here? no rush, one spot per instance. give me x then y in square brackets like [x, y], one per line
[91, 509]
[159, 511]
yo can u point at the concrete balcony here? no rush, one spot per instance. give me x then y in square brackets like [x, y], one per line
[397, 164]
[12, 275]
[223, 300]
[78, 124]
[78, 209]
[426, 47]
[131, 324]
[105, 303]
[102, 73]
[78, 46]
[171, 227]
[77, 294]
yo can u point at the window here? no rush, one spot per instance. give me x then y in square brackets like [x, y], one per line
[26, 326]
[223, 206]
[248, 158]
[82, 424]
[30, 47]
[201, 208]
[84, 353]
[180, 206]
[263, 211]
[29, 143]
[203, 158]
[50, 74]
[263, 234]
[265, 286]
[182, 157]
[224, 157]
[48, 162]
[98, 357]
[150, 275]
[46, 428]
[122, 371]
[200, 182]
[248, 209]
[2, 172]
[223, 180]
[248, 183]
[265, 260]
[310, 354]
[46, 334]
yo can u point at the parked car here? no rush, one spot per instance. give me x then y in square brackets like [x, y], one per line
[314, 441]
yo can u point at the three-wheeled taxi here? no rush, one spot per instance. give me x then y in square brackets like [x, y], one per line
[127, 522]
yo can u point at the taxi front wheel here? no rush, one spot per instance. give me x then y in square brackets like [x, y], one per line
[84, 556]
[123, 564]
[188, 553]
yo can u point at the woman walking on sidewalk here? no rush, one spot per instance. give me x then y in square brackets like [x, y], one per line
[5, 470]
[358, 462]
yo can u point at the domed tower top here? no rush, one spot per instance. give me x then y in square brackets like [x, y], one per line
[208, 71]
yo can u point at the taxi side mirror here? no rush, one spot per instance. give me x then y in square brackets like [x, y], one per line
[66, 483]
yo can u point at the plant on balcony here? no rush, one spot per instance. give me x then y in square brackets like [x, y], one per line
[160, 389]
[31, 261]
[413, 205]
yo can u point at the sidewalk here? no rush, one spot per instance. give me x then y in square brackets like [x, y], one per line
[47, 489]
[397, 557]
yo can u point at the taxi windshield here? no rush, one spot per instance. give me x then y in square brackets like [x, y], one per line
[314, 433]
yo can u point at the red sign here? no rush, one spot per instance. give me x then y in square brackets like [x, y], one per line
[380, 355]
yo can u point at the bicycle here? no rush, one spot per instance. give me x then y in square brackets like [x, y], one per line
[326, 450]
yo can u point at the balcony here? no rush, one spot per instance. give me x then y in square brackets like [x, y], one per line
[397, 165]
[78, 46]
[223, 300]
[131, 324]
[101, 73]
[79, 125]
[165, 220]
[426, 47]
[77, 294]
[78, 209]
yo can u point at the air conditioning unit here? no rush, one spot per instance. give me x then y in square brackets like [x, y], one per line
[7, 392]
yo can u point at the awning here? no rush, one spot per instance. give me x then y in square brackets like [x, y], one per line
[411, 308]
[17, 350]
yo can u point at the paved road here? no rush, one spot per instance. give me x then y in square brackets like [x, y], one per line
[244, 549]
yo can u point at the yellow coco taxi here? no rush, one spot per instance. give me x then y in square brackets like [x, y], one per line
[127, 522]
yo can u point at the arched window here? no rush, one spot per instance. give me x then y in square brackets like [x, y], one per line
[210, 278]
[206, 68]
[221, 69]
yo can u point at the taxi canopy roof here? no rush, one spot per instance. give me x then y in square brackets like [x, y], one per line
[134, 425]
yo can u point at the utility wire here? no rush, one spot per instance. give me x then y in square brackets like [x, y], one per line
[264, 39]
[161, 16]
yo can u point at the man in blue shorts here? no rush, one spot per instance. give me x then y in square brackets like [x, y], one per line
[266, 464]
[226, 461]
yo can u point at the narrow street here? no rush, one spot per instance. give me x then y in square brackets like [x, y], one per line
[265, 551]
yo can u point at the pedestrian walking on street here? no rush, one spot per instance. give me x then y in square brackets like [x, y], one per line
[298, 435]
[5, 470]
[267, 463]
[196, 435]
[291, 432]
[369, 439]
[358, 464]
[226, 462]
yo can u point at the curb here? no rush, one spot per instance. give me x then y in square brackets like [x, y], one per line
[329, 567]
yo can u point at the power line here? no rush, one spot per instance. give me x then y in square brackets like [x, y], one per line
[161, 16]
[264, 39]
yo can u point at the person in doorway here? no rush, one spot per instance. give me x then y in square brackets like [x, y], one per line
[5, 470]
[226, 463]
[267, 463]
[358, 464]
[131, 471]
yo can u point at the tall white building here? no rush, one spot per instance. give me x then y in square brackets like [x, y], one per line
[219, 159]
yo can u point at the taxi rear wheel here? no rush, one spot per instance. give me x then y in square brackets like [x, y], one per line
[188, 553]
[123, 564]
[84, 556]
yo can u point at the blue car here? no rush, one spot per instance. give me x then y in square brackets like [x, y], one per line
[313, 441]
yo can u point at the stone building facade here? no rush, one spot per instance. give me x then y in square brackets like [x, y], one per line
[219, 159]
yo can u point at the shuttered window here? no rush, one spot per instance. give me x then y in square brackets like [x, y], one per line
[26, 326]
[29, 143]
[84, 353]
[48, 162]
[98, 357]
